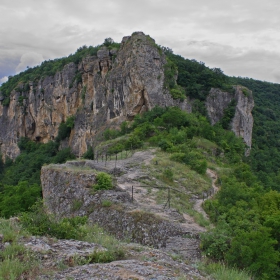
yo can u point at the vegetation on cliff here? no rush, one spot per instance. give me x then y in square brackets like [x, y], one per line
[265, 153]
[20, 82]
[20, 180]
[245, 211]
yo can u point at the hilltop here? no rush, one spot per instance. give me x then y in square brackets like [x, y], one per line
[160, 150]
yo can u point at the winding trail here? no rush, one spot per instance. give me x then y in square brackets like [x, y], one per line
[198, 203]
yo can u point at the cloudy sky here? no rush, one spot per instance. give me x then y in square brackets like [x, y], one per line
[241, 37]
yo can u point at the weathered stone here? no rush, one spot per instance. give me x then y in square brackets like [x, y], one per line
[67, 190]
[242, 123]
[116, 85]
[103, 53]
[140, 263]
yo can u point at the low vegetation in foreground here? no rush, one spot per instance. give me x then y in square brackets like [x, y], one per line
[244, 213]
[17, 261]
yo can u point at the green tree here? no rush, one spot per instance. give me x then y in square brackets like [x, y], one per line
[255, 251]
[19, 198]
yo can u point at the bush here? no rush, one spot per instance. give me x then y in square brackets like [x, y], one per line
[216, 242]
[39, 222]
[64, 129]
[168, 174]
[15, 199]
[106, 256]
[111, 134]
[104, 182]
[200, 166]
[133, 142]
[178, 93]
[255, 251]
[116, 148]
[89, 154]
[63, 155]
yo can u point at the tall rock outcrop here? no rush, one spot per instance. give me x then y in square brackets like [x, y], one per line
[116, 85]
[101, 91]
[242, 122]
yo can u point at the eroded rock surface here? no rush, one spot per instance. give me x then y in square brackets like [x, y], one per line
[63, 259]
[242, 122]
[67, 192]
[116, 85]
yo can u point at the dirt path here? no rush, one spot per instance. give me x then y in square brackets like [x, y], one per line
[145, 198]
[198, 203]
[133, 174]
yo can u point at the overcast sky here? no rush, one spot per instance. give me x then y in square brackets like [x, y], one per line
[241, 37]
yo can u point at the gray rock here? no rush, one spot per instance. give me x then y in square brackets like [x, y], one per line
[242, 123]
[115, 86]
[103, 53]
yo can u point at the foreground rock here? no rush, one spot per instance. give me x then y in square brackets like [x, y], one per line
[63, 258]
[67, 191]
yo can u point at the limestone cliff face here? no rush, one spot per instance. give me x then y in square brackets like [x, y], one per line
[116, 85]
[242, 122]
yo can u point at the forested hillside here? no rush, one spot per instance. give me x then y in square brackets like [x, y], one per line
[246, 209]
[265, 154]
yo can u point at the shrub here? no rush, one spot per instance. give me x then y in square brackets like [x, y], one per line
[216, 242]
[106, 256]
[111, 134]
[39, 222]
[63, 155]
[178, 93]
[133, 142]
[104, 182]
[168, 173]
[106, 203]
[89, 154]
[115, 149]
[14, 199]
[84, 90]
[200, 166]
[64, 129]
[70, 122]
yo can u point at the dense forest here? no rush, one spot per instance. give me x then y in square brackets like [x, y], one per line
[265, 154]
[245, 211]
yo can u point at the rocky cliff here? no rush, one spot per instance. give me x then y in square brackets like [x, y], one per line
[113, 86]
[116, 85]
[242, 99]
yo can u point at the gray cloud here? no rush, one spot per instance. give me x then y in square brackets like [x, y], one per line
[29, 59]
[240, 37]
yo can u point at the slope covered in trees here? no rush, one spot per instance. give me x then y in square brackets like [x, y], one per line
[265, 154]
[245, 211]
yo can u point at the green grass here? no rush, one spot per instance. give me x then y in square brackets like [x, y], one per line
[199, 218]
[220, 271]
[106, 203]
[115, 249]
[205, 144]
[77, 204]
[11, 230]
[15, 259]
[183, 178]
